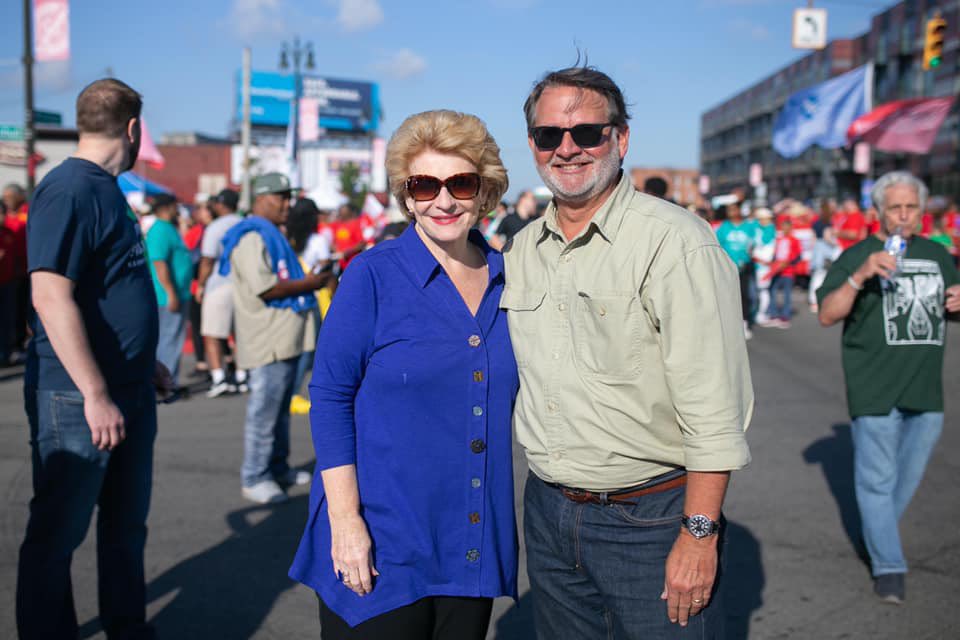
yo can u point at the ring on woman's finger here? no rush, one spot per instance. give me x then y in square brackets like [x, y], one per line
[696, 601]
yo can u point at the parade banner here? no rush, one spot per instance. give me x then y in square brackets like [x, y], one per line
[907, 126]
[51, 30]
[821, 114]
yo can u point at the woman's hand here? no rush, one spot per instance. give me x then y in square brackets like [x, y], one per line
[351, 550]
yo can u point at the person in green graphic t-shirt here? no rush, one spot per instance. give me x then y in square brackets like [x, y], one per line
[894, 331]
[172, 270]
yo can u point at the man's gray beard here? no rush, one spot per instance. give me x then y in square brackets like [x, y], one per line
[607, 170]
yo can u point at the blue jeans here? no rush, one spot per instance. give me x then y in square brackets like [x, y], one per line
[890, 454]
[597, 571]
[266, 430]
[304, 364]
[173, 333]
[782, 287]
[71, 477]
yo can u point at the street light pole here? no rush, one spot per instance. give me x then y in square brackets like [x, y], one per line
[28, 128]
[299, 53]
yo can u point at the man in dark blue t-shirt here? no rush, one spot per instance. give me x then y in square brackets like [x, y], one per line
[91, 402]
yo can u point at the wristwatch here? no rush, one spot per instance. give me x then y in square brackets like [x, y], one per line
[699, 525]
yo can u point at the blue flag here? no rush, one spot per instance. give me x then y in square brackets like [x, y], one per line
[822, 113]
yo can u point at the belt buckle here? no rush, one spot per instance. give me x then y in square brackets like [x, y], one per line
[576, 495]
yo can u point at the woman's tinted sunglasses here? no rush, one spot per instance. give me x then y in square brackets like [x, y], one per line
[461, 186]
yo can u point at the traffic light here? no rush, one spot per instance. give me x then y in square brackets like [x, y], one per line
[933, 43]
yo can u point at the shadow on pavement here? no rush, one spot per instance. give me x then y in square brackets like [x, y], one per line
[743, 584]
[228, 590]
[835, 454]
[743, 581]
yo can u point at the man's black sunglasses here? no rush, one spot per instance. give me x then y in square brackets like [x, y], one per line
[584, 135]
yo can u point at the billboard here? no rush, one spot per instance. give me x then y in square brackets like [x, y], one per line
[343, 105]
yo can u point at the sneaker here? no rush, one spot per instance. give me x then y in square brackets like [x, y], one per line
[265, 492]
[769, 323]
[747, 334]
[299, 405]
[890, 587]
[295, 478]
[783, 324]
[220, 388]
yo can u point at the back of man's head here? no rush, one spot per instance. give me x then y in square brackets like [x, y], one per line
[105, 107]
[655, 186]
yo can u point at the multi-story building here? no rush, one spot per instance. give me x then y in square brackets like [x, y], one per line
[738, 132]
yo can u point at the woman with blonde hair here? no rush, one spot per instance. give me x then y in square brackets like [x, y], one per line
[411, 532]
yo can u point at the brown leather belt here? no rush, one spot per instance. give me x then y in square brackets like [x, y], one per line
[623, 496]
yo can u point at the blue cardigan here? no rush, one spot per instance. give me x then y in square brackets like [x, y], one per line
[418, 393]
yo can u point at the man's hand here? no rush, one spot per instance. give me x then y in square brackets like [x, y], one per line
[198, 295]
[952, 299]
[879, 263]
[691, 571]
[173, 303]
[105, 421]
[162, 380]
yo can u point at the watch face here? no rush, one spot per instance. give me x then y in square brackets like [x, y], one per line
[700, 525]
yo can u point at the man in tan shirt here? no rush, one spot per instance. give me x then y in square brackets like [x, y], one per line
[276, 318]
[635, 388]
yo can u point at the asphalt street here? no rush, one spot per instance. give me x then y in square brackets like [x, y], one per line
[217, 565]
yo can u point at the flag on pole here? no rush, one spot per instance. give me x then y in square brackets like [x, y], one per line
[148, 150]
[821, 114]
[908, 126]
[51, 30]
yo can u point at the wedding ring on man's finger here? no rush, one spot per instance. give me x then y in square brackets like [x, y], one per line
[696, 601]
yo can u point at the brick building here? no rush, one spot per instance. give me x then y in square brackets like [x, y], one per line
[738, 132]
[681, 183]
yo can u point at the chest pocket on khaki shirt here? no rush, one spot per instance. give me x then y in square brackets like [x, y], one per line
[607, 335]
[521, 306]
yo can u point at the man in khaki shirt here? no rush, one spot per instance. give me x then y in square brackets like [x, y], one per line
[276, 321]
[635, 388]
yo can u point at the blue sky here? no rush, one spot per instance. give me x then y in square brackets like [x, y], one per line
[673, 59]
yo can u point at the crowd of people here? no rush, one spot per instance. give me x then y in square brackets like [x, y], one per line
[793, 244]
[600, 328]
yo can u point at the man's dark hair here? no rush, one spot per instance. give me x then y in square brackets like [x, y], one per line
[581, 77]
[655, 186]
[106, 106]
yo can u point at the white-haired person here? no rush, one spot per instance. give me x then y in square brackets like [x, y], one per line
[894, 316]
[412, 530]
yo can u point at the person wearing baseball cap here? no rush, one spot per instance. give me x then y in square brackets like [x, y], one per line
[276, 318]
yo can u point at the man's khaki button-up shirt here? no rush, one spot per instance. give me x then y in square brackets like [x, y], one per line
[630, 346]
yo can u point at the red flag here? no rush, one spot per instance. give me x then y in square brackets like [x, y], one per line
[148, 150]
[51, 30]
[902, 125]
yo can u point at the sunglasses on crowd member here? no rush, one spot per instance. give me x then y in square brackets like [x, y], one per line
[461, 186]
[584, 135]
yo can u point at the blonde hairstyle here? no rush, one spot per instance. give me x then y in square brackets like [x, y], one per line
[452, 132]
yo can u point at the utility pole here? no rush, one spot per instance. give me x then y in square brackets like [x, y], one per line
[297, 52]
[245, 134]
[29, 133]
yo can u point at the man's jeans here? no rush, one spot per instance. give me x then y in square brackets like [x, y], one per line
[266, 431]
[598, 571]
[173, 333]
[71, 477]
[890, 454]
[781, 289]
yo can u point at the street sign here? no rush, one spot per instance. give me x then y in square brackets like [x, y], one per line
[47, 117]
[11, 133]
[809, 28]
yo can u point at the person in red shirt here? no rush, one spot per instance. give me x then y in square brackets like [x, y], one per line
[787, 253]
[8, 286]
[15, 201]
[850, 224]
[351, 234]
